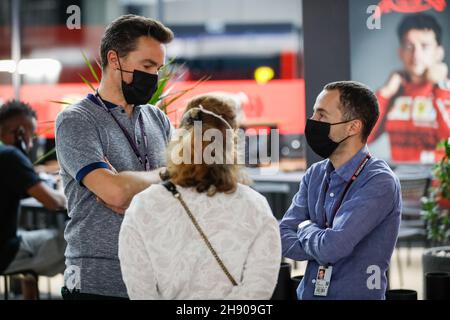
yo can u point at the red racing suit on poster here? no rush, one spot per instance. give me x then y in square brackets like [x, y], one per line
[416, 119]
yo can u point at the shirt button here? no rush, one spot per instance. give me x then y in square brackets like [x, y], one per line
[332, 194]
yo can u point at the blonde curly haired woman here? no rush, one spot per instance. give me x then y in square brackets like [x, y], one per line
[201, 234]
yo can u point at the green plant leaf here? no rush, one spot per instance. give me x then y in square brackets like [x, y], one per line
[88, 63]
[45, 156]
[87, 82]
[60, 102]
[161, 86]
[183, 92]
[98, 64]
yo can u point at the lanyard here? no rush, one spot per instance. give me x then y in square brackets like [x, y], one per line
[353, 178]
[131, 141]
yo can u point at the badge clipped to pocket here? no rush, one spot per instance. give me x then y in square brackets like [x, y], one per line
[323, 279]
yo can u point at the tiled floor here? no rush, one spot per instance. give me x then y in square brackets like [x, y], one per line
[411, 275]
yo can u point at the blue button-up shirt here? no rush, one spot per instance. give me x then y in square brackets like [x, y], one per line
[362, 236]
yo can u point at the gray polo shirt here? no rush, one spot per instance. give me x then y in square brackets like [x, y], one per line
[85, 134]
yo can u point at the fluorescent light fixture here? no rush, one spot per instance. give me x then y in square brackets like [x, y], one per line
[34, 70]
[7, 66]
[34, 67]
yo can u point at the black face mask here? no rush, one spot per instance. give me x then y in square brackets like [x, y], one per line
[317, 135]
[141, 89]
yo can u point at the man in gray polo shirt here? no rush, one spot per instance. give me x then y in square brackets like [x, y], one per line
[110, 146]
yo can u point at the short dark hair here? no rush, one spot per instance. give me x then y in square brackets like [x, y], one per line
[15, 108]
[122, 33]
[357, 102]
[419, 21]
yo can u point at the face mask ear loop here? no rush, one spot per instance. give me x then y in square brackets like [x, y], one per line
[120, 66]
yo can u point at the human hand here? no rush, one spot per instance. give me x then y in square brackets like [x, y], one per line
[110, 165]
[437, 73]
[392, 85]
[119, 210]
[156, 175]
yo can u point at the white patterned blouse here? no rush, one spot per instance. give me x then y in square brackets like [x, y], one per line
[162, 255]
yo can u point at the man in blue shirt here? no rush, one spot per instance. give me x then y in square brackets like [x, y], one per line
[346, 214]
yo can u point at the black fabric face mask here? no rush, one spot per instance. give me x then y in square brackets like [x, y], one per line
[317, 135]
[141, 89]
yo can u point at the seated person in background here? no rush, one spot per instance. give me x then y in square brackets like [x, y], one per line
[41, 251]
[161, 252]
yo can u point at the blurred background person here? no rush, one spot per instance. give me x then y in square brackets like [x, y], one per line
[40, 251]
[163, 256]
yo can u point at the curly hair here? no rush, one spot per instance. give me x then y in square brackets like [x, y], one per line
[204, 177]
[15, 108]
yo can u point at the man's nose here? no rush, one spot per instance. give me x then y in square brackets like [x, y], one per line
[417, 52]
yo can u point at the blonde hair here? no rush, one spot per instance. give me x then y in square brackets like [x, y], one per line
[210, 178]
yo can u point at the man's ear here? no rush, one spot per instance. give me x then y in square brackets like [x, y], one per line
[356, 127]
[113, 61]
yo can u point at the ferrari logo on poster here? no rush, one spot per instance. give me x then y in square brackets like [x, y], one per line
[424, 112]
[401, 109]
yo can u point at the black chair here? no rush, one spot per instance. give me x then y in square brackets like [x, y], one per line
[401, 294]
[437, 286]
[283, 289]
[7, 277]
[277, 195]
[414, 183]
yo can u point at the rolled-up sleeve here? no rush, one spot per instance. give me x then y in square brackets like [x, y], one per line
[355, 219]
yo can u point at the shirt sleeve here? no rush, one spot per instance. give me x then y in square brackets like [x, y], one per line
[383, 105]
[168, 128]
[296, 214]
[355, 219]
[262, 265]
[19, 171]
[78, 145]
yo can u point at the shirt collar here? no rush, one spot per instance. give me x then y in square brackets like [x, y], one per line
[108, 104]
[94, 99]
[347, 170]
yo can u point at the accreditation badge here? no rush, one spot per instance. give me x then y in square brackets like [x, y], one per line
[323, 280]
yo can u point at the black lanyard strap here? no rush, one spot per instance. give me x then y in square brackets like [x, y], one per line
[352, 179]
[131, 141]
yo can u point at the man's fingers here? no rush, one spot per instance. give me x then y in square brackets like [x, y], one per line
[119, 210]
[110, 165]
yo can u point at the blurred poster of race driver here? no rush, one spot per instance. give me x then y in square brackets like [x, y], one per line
[415, 101]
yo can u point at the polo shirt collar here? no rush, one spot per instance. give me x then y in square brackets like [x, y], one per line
[108, 104]
[94, 99]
